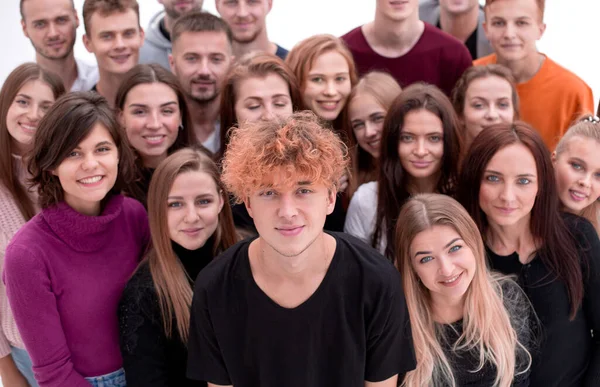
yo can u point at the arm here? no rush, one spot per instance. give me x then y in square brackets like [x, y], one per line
[34, 305]
[391, 382]
[142, 338]
[10, 373]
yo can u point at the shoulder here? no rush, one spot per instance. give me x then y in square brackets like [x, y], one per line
[433, 37]
[28, 248]
[134, 211]
[353, 36]
[486, 60]
[224, 267]
[365, 196]
[584, 234]
[569, 80]
[11, 219]
[139, 293]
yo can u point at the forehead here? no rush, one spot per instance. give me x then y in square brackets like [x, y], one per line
[46, 9]
[151, 93]
[205, 42]
[329, 62]
[256, 87]
[513, 159]
[584, 148]
[116, 21]
[422, 120]
[434, 238]
[364, 102]
[192, 183]
[489, 86]
[37, 89]
[512, 9]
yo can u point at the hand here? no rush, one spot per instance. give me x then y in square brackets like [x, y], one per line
[343, 183]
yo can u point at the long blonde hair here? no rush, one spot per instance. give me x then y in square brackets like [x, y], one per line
[488, 329]
[170, 279]
[587, 127]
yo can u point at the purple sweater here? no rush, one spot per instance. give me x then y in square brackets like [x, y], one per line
[64, 275]
[437, 58]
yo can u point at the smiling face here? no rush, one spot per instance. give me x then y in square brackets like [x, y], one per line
[200, 61]
[115, 40]
[151, 118]
[488, 101]
[30, 104]
[366, 118]
[513, 28]
[509, 186]
[194, 204]
[327, 85]
[421, 145]
[577, 170]
[262, 99]
[290, 219]
[51, 27]
[90, 171]
[444, 263]
[246, 18]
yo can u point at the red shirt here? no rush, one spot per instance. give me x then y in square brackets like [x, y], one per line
[437, 58]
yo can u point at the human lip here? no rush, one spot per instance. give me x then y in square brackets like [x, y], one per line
[374, 143]
[155, 139]
[290, 230]
[328, 105]
[28, 128]
[398, 3]
[91, 181]
[193, 231]
[506, 210]
[203, 83]
[120, 59]
[56, 44]
[510, 46]
[420, 163]
[577, 196]
[452, 281]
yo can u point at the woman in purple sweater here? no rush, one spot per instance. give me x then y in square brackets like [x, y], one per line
[66, 268]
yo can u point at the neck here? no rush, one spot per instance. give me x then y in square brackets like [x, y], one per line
[424, 185]
[153, 161]
[462, 25]
[448, 310]
[396, 35]
[261, 44]
[108, 85]
[204, 115]
[296, 269]
[65, 68]
[525, 69]
[168, 23]
[20, 149]
[505, 240]
[89, 209]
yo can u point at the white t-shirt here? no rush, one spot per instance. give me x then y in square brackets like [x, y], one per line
[362, 214]
[87, 76]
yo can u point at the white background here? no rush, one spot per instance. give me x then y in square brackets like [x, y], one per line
[571, 39]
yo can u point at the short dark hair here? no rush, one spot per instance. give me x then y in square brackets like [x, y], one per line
[199, 21]
[107, 7]
[68, 122]
[23, 14]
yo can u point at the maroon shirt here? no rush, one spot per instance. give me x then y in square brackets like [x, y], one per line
[437, 58]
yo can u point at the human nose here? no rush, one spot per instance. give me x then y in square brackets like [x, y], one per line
[420, 148]
[89, 162]
[191, 214]
[287, 206]
[267, 113]
[507, 193]
[492, 114]
[153, 121]
[446, 266]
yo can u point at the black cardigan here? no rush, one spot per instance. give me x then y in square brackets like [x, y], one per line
[569, 351]
[150, 358]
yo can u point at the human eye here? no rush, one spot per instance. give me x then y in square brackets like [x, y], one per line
[203, 202]
[129, 33]
[341, 78]
[406, 137]
[523, 181]
[504, 105]
[189, 58]
[358, 125]
[105, 36]
[435, 138]
[492, 178]
[576, 166]
[73, 154]
[317, 79]
[498, 23]
[104, 149]
[252, 107]
[304, 191]
[477, 105]
[39, 24]
[522, 23]
[267, 193]
[426, 259]
[455, 248]
[174, 204]
[138, 112]
[378, 118]
[168, 111]
[280, 103]
[22, 102]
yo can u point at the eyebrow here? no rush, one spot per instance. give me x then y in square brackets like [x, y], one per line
[23, 96]
[306, 182]
[447, 245]
[426, 134]
[98, 144]
[519, 175]
[341, 73]
[274, 96]
[203, 195]
[143, 105]
[578, 160]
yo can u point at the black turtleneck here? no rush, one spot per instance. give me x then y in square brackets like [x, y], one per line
[150, 358]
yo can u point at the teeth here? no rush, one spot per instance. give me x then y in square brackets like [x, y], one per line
[329, 104]
[29, 127]
[91, 180]
[154, 138]
[578, 194]
[451, 279]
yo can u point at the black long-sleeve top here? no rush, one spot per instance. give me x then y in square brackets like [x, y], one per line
[569, 351]
[150, 358]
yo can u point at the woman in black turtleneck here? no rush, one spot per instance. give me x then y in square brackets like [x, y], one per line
[190, 223]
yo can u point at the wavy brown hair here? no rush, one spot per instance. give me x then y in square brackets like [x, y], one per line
[12, 85]
[254, 65]
[558, 249]
[170, 279]
[393, 181]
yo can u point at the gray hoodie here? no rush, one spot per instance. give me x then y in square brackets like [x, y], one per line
[157, 47]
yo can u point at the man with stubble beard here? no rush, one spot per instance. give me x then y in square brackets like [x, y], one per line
[202, 54]
[157, 45]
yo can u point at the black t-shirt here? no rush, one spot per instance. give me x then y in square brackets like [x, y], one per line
[471, 42]
[569, 351]
[354, 327]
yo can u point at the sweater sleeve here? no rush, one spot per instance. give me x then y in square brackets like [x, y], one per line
[34, 306]
[141, 335]
[589, 246]
[4, 308]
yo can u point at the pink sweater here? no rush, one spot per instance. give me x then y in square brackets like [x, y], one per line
[11, 221]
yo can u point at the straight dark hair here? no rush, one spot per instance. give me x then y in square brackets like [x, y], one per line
[393, 180]
[558, 251]
[68, 122]
[13, 84]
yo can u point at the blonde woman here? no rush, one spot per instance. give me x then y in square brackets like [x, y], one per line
[470, 327]
[190, 223]
[577, 169]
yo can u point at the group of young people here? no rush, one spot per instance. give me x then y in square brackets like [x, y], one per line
[205, 208]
